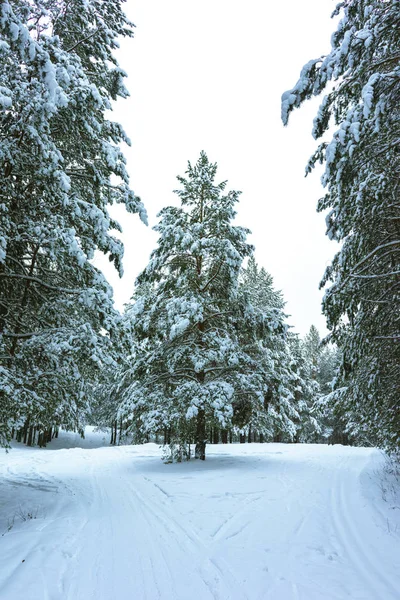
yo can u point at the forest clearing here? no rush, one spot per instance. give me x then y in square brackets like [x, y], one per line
[254, 521]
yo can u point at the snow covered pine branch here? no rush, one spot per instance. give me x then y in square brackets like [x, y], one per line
[362, 168]
[61, 168]
[204, 357]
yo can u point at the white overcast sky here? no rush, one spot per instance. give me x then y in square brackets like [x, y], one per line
[208, 75]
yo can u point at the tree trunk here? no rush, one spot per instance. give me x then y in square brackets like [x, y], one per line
[261, 438]
[30, 436]
[121, 426]
[224, 436]
[230, 436]
[249, 436]
[41, 439]
[242, 438]
[201, 437]
[26, 428]
[216, 435]
[167, 436]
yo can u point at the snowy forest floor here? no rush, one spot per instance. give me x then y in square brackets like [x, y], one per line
[81, 520]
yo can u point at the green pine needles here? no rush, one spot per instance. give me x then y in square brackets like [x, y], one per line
[203, 355]
[362, 168]
[61, 167]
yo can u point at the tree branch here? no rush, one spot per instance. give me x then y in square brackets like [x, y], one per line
[83, 40]
[36, 280]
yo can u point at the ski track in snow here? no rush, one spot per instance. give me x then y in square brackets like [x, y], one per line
[370, 567]
[254, 522]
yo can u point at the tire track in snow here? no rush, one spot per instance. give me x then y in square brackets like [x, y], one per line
[175, 530]
[68, 583]
[42, 544]
[120, 543]
[155, 552]
[359, 544]
[151, 516]
[350, 540]
[197, 546]
[121, 535]
[121, 539]
[221, 532]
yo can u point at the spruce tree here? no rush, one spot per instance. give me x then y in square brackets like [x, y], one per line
[61, 167]
[362, 167]
[198, 360]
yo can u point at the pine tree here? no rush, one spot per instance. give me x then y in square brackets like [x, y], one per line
[259, 284]
[333, 420]
[287, 391]
[362, 167]
[329, 362]
[312, 351]
[306, 391]
[293, 389]
[61, 168]
[198, 359]
[322, 362]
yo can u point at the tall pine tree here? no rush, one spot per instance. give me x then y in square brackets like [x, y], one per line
[362, 168]
[61, 167]
[291, 394]
[199, 358]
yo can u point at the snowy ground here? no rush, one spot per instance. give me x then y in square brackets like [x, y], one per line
[255, 521]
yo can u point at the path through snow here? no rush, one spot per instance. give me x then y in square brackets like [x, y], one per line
[255, 522]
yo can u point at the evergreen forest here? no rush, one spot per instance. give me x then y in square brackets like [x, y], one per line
[203, 353]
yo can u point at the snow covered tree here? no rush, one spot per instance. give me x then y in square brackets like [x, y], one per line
[293, 391]
[61, 167]
[322, 362]
[333, 420]
[328, 365]
[259, 284]
[312, 350]
[362, 167]
[305, 391]
[199, 357]
[287, 397]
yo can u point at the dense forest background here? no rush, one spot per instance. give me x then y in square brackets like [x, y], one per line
[202, 353]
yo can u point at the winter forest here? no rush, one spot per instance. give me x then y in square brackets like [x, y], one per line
[203, 362]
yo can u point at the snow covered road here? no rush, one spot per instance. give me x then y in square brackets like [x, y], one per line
[255, 521]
